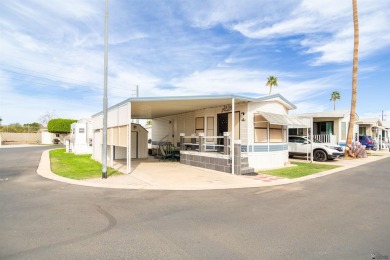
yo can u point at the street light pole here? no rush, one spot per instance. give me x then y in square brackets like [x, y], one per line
[104, 152]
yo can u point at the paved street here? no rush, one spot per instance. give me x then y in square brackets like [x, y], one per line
[340, 216]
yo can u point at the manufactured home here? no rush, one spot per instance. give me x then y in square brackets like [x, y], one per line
[374, 127]
[81, 136]
[232, 134]
[328, 126]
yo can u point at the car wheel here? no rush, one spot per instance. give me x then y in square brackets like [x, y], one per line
[320, 156]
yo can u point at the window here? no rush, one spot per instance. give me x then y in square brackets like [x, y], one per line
[81, 130]
[210, 129]
[265, 132]
[277, 134]
[57, 135]
[199, 125]
[323, 128]
[362, 130]
[261, 129]
[295, 131]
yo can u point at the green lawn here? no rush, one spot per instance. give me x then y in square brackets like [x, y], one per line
[302, 169]
[76, 167]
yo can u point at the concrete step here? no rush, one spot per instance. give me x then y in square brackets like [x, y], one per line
[247, 170]
[243, 165]
[244, 159]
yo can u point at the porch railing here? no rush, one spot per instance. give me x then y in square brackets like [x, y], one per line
[202, 143]
[326, 138]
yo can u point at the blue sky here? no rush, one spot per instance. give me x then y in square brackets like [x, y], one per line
[52, 53]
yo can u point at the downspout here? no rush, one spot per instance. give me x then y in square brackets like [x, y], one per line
[232, 138]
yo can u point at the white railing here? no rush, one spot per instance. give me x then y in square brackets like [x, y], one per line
[207, 143]
[326, 138]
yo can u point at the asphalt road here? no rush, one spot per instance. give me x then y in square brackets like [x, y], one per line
[341, 216]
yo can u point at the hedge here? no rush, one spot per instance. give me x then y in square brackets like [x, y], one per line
[60, 125]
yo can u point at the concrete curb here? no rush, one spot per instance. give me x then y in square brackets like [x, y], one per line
[45, 171]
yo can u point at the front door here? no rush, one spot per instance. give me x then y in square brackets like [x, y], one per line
[224, 124]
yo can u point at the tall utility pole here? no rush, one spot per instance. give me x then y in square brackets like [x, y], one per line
[104, 152]
[383, 115]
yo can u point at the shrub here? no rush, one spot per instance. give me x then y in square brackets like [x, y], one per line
[357, 150]
[60, 125]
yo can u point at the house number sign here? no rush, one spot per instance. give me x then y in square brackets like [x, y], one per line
[227, 108]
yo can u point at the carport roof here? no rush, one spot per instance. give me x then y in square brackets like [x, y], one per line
[154, 107]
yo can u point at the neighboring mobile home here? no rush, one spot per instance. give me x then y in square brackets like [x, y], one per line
[328, 126]
[81, 136]
[373, 127]
[206, 131]
[386, 134]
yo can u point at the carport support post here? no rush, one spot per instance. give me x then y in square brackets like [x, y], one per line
[233, 135]
[128, 152]
[311, 140]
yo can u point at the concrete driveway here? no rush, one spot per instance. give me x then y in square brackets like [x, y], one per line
[176, 176]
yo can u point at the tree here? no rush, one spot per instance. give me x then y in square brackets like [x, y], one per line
[354, 73]
[271, 82]
[44, 119]
[33, 127]
[1, 120]
[335, 96]
[60, 126]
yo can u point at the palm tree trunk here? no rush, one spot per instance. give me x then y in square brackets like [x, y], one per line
[334, 105]
[354, 72]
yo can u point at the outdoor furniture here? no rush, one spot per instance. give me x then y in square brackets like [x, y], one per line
[163, 156]
[169, 152]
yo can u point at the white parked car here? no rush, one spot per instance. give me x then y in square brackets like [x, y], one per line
[300, 145]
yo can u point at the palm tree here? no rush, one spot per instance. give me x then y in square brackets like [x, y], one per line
[335, 95]
[272, 81]
[354, 72]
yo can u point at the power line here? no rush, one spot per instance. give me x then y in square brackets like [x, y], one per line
[47, 84]
[84, 82]
[61, 82]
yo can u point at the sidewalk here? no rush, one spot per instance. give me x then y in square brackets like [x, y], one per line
[176, 176]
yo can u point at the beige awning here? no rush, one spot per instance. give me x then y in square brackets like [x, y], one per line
[288, 120]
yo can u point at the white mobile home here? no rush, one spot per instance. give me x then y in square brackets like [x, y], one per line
[373, 127]
[206, 130]
[81, 136]
[328, 126]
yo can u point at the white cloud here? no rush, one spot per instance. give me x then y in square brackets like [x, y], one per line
[324, 27]
[178, 48]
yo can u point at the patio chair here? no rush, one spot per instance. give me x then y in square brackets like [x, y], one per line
[164, 155]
